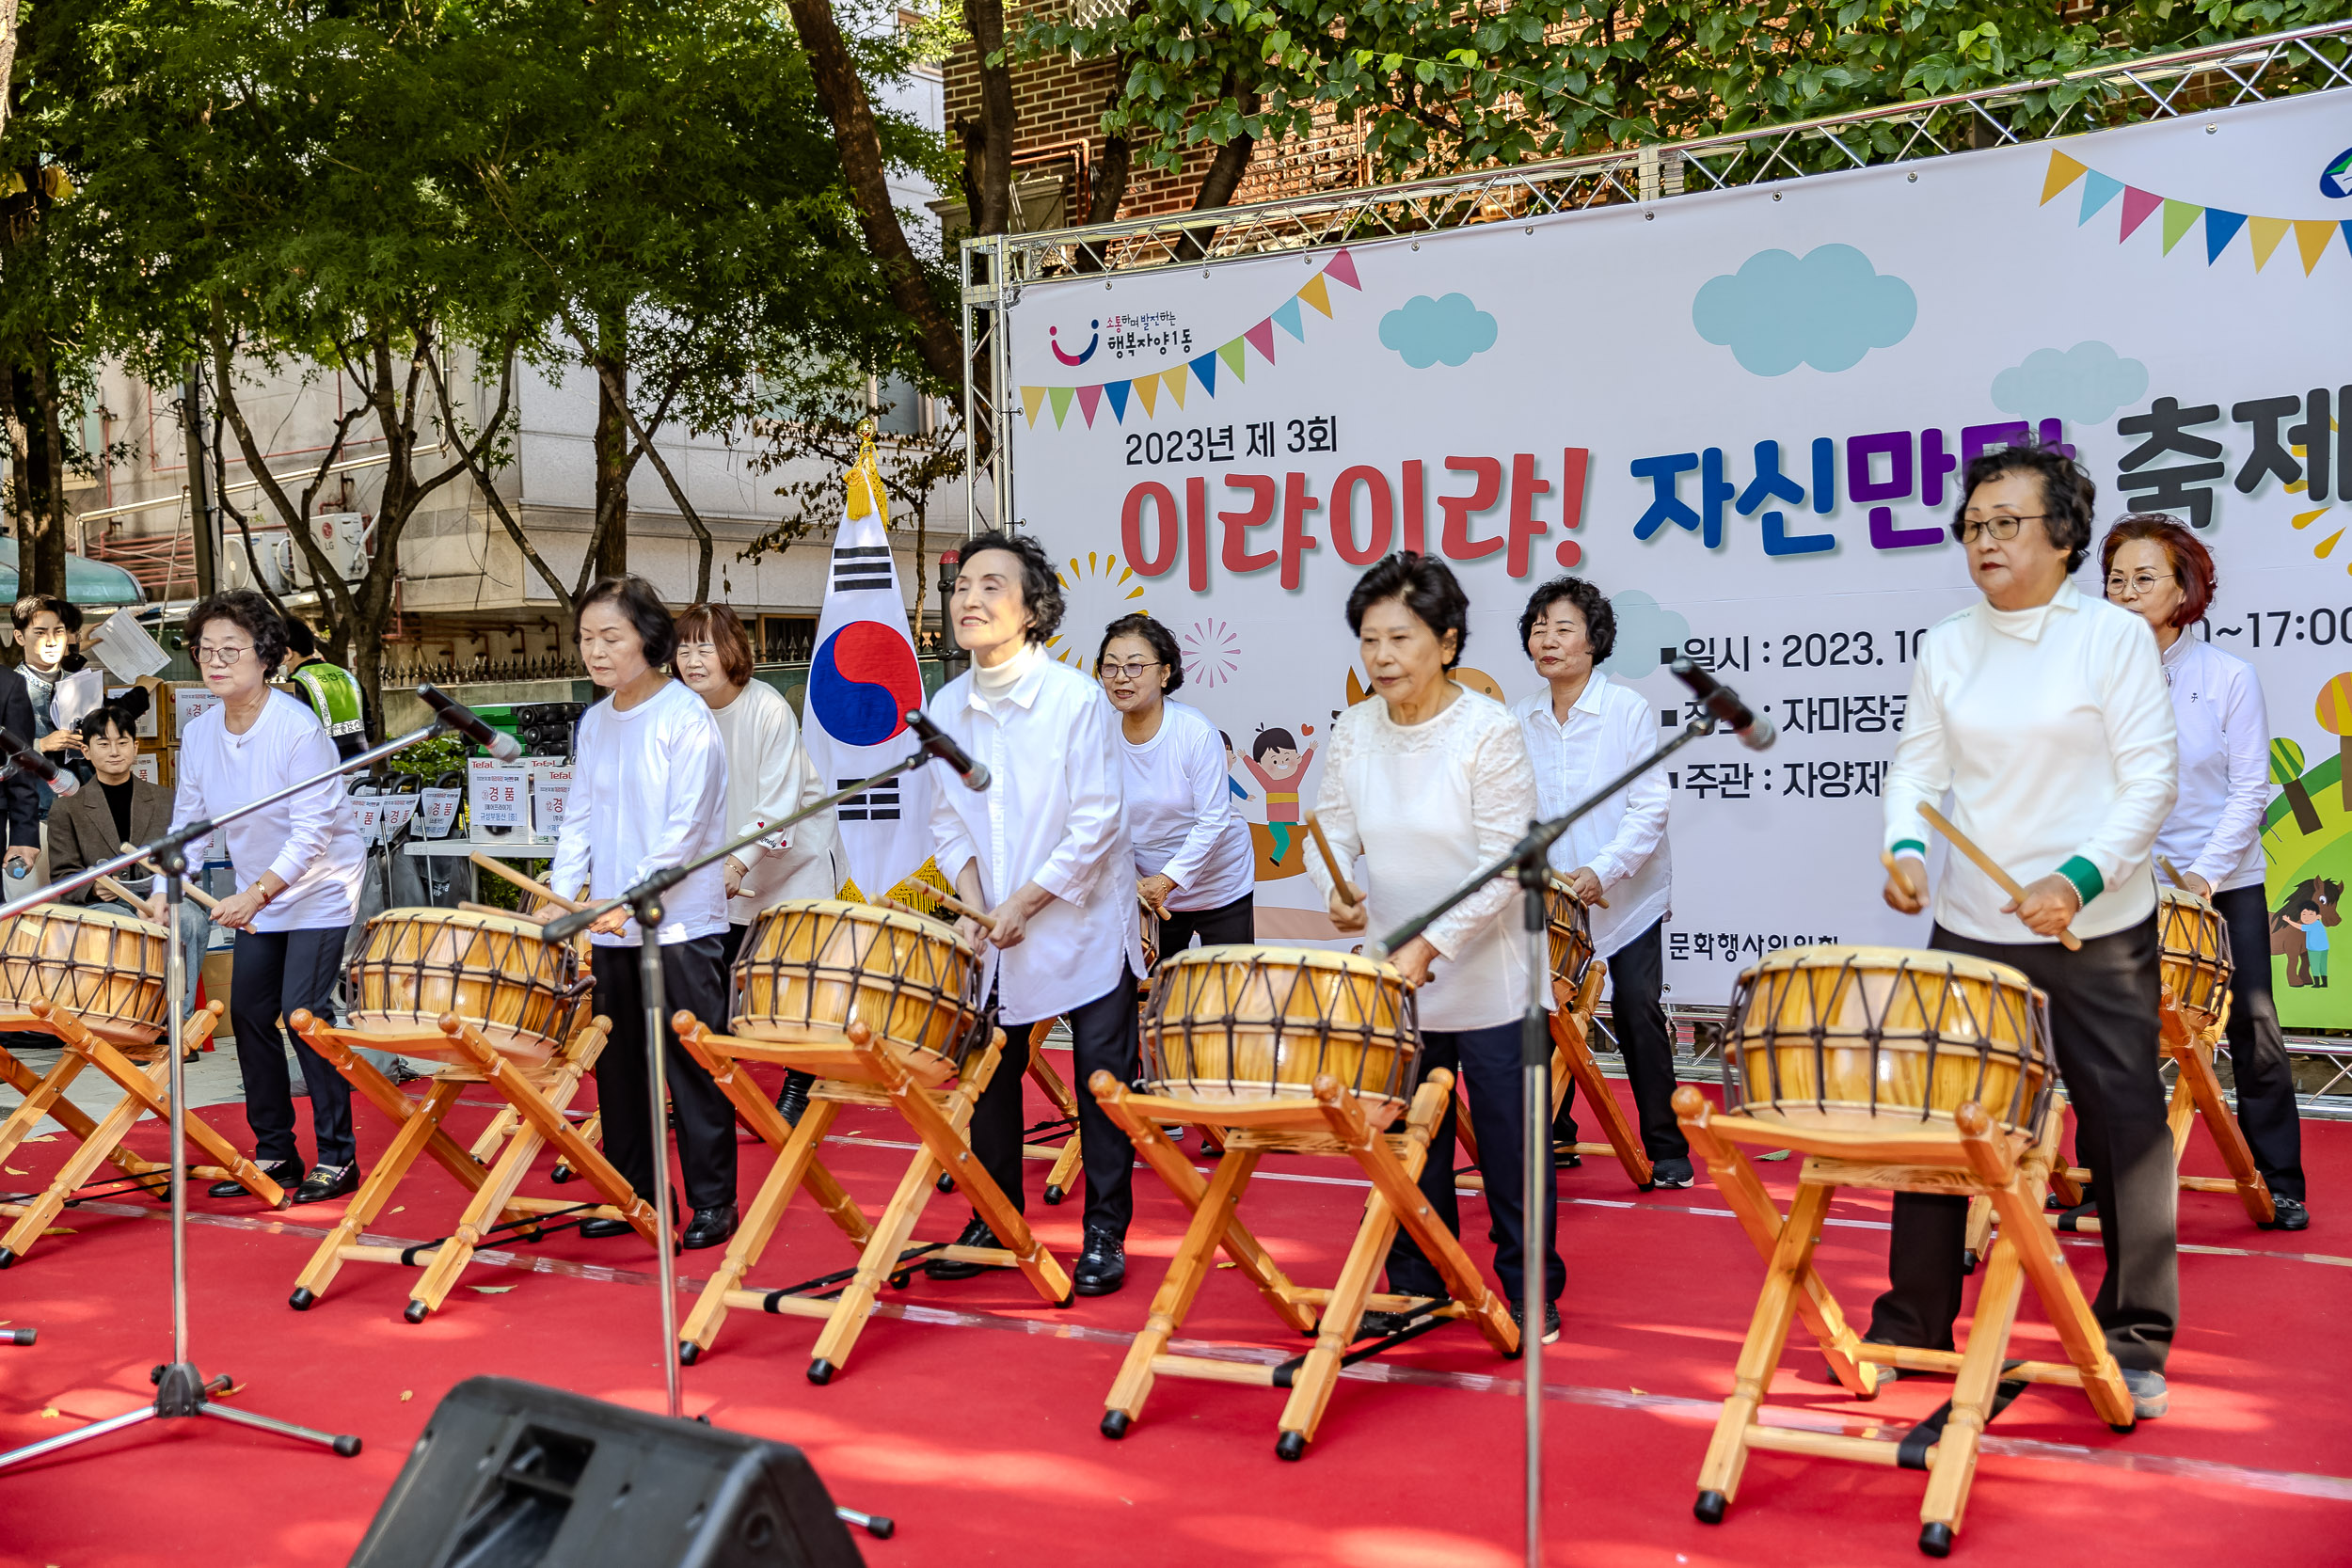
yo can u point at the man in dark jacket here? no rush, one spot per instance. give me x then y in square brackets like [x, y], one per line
[22, 802]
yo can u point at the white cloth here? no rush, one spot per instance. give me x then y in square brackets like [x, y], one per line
[1054, 814]
[2052, 730]
[308, 839]
[649, 789]
[2216, 827]
[1624, 839]
[1425, 805]
[769, 778]
[1180, 812]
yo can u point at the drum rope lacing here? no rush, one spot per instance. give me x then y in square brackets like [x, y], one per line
[2025, 1023]
[131, 973]
[1199, 978]
[919, 979]
[508, 967]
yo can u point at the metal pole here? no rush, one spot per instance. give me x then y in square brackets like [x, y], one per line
[656, 1068]
[1537, 1198]
[174, 866]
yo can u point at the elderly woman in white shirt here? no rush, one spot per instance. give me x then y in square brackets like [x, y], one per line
[2162, 572]
[1045, 850]
[769, 778]
[1427, 781]
[1582, 728]
[2044, 711]
[1191, 848]
[649, 786]
[299, 865]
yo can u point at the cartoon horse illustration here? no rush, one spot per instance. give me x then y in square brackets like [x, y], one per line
[2316, 895]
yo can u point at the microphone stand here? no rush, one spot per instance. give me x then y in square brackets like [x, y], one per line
[180, 1388]
[1530, 861]
[643, 902]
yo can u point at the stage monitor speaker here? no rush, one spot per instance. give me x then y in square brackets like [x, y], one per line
[512, 1475]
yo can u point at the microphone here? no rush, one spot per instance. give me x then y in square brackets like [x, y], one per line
[1724, 706]
[466, 722]
[939, 744]
[28, 761]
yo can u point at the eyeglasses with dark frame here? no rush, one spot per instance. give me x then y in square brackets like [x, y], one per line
[2002, 528]
[1132, 670]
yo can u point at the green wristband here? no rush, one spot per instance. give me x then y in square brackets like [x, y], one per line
[2088, 885]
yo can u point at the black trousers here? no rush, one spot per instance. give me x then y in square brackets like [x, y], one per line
[1236, 921]
[1487, 1062]
[1637, 981]
[2102, 1025]
[1102, 1033]
[692, 978]
[2267, 1112]
[278, 972]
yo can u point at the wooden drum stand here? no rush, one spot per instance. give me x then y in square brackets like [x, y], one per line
[144, 1072]
[2012, 1176]
[855, 1068]
[1331, 1122]
[1572, 1064]
[538, 1094]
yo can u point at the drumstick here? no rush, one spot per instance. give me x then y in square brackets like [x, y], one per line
[1895, 869]
[206, 900]
[1332, 864]
[981, 918]
[472, 907]
[1985, 864]
[2175, 872]
[909, 908]
[536, 889]
[115, 890]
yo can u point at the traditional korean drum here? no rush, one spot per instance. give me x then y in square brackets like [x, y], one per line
[1572, 933]
[811, 967]
[104, 968]
[498, 972]
[1878, 1038]
[1249, 1023]
[2197, 967]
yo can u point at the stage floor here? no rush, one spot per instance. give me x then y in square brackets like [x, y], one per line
[969, 1410]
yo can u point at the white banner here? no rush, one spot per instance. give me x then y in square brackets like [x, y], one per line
[1742, 415]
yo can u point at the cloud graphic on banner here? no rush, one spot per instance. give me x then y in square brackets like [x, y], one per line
[1826, 310]
[1646, 628]
[1445, 331]
[2084, 385]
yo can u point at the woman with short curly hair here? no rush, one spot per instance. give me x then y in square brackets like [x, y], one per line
[1045, 848]
[298, 864]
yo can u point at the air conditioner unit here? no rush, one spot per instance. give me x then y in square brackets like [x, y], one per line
[347, 539]
[273, 551]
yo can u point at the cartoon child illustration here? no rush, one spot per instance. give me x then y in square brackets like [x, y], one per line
[1278, 765]
[1242, 797]
[2315, 946]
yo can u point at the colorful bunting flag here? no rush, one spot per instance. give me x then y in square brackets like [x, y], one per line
[1116, 392]
[1316, 295]
[2312, 235]
[1235, 359]
[1148, 388]
[1177, 380]
[1286, 317]
[1089, 398]
[1261, 338]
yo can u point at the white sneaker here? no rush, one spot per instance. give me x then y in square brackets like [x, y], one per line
[2150, 1396]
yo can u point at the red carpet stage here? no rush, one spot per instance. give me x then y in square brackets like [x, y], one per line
[969, 1411]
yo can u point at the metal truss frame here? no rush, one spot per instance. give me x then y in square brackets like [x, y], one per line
[2169, 86]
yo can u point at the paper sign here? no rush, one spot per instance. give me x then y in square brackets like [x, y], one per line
[75, 695]
[144, 767]
[366, 812]
[497, 795]
[551, 783]
[439, 808]
[124, 647]
[188, 703]
[398, 810]
[147, 721]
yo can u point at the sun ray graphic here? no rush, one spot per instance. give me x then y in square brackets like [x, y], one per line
[1211, 653]
[1096, 590]
[2325, 547]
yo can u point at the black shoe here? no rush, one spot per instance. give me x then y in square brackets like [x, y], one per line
[602, 1230]
[325, 1181]
[1672, 1174]
[1102, 1267]
[793, 1098]
[2288, 1213]
[1551, 1320]
[1565, 1157]
[709, 1227]
[1381, 1326]
[286, 1173]
[403, 1073]
[976, 1234]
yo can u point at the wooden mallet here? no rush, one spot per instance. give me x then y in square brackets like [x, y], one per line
[1347, 890]
[1985, 864]
[981, 918]
[204, 899]
[531, 885]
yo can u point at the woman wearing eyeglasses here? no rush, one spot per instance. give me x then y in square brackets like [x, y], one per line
[2160, 572]
[2044, 711]
[298, 864]
[1191, 848]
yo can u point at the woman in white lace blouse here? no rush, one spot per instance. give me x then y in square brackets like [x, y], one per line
[1426, 781]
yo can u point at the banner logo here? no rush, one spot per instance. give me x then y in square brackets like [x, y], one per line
[1054, 334]
[2335, 180]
